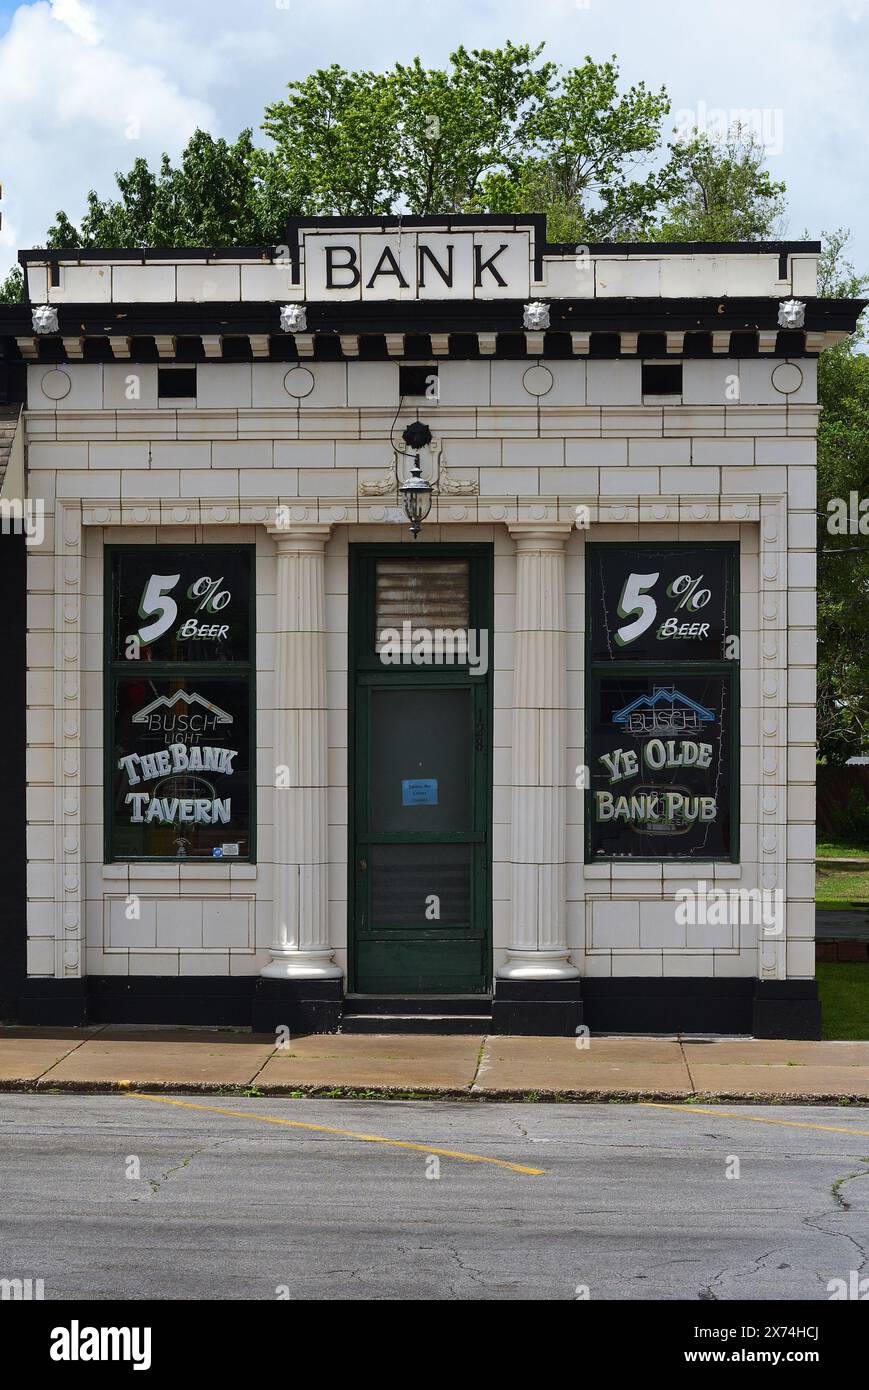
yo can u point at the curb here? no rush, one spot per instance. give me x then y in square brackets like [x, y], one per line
[409, 1093]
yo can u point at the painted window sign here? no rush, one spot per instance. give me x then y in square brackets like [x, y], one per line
[179, 731]
[181, 784]
[653, 603]
[660, 766]
[181, 604]
[662, 696]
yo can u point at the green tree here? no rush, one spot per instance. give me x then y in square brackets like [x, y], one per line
[719, 190]
[583, 144]
[499, 130]
[843, 560]
[219, 194]
[336, 142]
[456, 128]
[413, 139]
[12, 288]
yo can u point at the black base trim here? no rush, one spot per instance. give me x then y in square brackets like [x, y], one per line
[787, 1009]
[303, 1006]
[699, 1004]
[63, 1002]
[763, 1008]
[545, 1008]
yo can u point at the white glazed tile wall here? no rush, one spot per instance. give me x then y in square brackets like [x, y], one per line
[114, 469]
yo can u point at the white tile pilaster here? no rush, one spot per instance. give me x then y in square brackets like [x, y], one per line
[538, 944]
[300, 948]
[68, 790]
[772, 793]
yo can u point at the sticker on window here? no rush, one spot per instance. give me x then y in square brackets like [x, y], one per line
[419, 791]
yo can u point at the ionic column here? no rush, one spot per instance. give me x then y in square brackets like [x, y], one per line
[300, 949]
[538, 947]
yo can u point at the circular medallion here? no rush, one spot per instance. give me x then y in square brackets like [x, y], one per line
[537, 381]
[299, 382]
[787, 378]
[56, 384]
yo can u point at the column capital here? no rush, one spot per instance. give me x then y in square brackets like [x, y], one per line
[300, 535]
[540, 535]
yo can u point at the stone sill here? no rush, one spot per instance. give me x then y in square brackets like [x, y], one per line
[188, 873]
[662, 868]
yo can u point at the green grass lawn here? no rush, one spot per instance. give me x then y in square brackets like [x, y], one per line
[844, 991]
[840, 887]
[841, 849]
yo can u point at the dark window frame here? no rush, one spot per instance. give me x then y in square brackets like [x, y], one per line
[729, 668]
[115, 670]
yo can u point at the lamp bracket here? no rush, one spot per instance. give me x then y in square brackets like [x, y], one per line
[443, 481]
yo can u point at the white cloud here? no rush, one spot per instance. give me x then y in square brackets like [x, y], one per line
[78, 18]
[75, 105]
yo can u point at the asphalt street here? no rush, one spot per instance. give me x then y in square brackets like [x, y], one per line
[632, 1202]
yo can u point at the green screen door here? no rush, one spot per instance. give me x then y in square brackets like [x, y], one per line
[420, 832]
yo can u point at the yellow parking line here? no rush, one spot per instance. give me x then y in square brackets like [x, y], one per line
[343, 1133]
[758, 1119]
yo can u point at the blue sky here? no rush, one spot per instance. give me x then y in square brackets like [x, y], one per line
[87, 85]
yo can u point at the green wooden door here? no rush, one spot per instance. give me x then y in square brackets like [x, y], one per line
[421, 787]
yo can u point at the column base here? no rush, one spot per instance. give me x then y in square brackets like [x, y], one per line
[537, 965]
[542, 1008]
[303, 1006]
[302, 965]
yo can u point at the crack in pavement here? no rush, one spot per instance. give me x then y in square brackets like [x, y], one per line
[156, 1183]
[708, 1292]
[836, 1189]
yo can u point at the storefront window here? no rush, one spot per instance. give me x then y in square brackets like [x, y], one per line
[179, 703]
[662, 702]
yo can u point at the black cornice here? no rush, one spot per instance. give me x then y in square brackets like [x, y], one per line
[434, 316]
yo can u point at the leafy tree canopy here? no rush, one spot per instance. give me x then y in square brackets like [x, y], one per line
[720, 191]
[499, 130]
[12, 288]
[220, 194]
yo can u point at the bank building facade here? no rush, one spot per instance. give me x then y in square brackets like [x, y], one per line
[412, 627]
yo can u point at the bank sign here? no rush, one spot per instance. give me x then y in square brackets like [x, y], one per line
[663, 681]
[416, 264]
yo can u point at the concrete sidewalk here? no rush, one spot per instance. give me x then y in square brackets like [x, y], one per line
[235, 1062]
